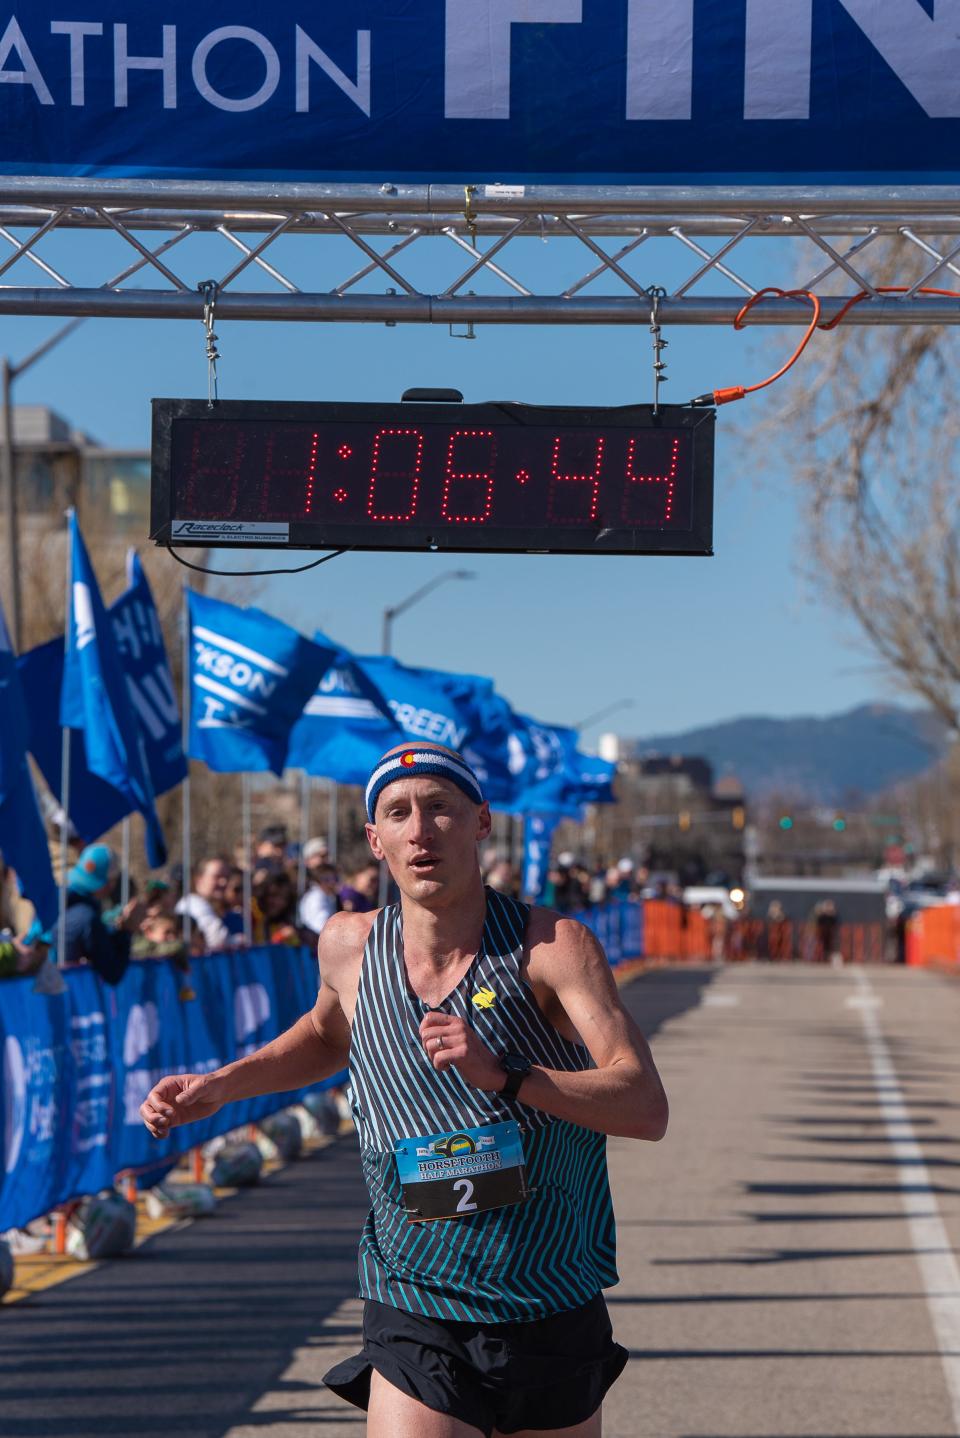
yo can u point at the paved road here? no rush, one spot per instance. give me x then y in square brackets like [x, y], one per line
[786, 1254]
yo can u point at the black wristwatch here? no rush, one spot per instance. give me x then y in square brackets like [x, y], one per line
[516, 1068]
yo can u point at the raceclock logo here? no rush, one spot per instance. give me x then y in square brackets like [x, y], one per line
[237, 681]
[14, 1102]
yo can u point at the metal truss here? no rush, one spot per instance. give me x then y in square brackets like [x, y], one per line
[698, 249]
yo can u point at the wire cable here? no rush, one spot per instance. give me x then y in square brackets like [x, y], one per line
[254, 573]
[726, 396]
[885, 290]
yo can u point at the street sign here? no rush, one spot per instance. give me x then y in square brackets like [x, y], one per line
[507, 478]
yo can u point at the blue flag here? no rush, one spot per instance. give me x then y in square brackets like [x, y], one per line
[462, 711]
[346, 725]
[552, 775]
[250, 678]
[94, 698]
[23, 839]
[595, 780]
[139, 639]
[95, 806]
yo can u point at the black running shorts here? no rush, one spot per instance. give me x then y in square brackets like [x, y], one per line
[549, 1373]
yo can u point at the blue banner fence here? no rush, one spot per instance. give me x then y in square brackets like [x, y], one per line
[618, 926]
[77, 1066]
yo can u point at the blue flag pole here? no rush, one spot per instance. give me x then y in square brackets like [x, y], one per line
[186, 859]
[69, 639]
[125, 825]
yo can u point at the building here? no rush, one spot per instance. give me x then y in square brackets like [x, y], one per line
[671, 815]
[57, 466]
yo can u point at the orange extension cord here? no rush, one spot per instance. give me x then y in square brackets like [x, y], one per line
[726, 396]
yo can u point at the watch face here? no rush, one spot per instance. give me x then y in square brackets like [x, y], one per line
[516, 1064]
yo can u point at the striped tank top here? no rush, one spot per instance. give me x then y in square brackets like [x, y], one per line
[551, 1253]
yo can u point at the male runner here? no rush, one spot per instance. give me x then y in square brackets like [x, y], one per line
[489, 1054]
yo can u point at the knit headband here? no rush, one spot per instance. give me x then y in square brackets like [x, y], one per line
[410, 763]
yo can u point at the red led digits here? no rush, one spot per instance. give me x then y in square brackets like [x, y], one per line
[668, 481]
[297, 502]
[556, 504]
[456, 476]
[411, 474]
[206, 498]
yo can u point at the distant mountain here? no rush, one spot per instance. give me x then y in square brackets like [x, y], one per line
[833, 760]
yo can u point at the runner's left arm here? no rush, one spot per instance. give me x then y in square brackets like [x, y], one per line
[623, 1095]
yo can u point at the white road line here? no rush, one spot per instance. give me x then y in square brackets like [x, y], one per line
[935, 1257]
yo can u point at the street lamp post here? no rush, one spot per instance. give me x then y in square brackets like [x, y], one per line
[389, 615]
[602, 713]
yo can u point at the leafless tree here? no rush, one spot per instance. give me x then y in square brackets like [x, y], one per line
[871, 428]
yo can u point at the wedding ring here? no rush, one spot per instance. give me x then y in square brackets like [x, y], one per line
[440, 1042]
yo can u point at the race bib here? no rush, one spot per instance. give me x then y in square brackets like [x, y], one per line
[447, 1175]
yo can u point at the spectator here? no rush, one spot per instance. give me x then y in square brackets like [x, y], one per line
[827, 925]
[320, 899]
[159, 938]
[358, 894]
[22, 956]
[566, 891]
[778, 931]
[275, 910]
[501, 877]
[233, 896]
[220, 927]
[316, 854]
[597, 885]
[88, 939]
[271, 847]
[157, 899]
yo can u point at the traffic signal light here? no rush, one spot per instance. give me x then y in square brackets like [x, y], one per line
[839, 823]
[786, 821]
[683, 820]
[738, 816]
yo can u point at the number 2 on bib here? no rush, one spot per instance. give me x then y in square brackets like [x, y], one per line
[465, 1206]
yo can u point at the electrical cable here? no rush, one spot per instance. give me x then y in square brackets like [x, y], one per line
[726, 396]
[254, 573]
[885, 290]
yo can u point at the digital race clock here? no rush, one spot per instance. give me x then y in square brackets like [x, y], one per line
[507, 478]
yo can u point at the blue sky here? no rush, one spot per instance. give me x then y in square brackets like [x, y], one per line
[687, 640]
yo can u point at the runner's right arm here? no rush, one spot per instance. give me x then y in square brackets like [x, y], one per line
[314, 1048]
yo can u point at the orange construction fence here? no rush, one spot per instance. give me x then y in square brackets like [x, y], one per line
[672, 932]
[933, 937]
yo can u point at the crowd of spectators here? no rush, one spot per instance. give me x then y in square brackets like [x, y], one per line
[570, 885]
[264, 893]
[226, 904]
